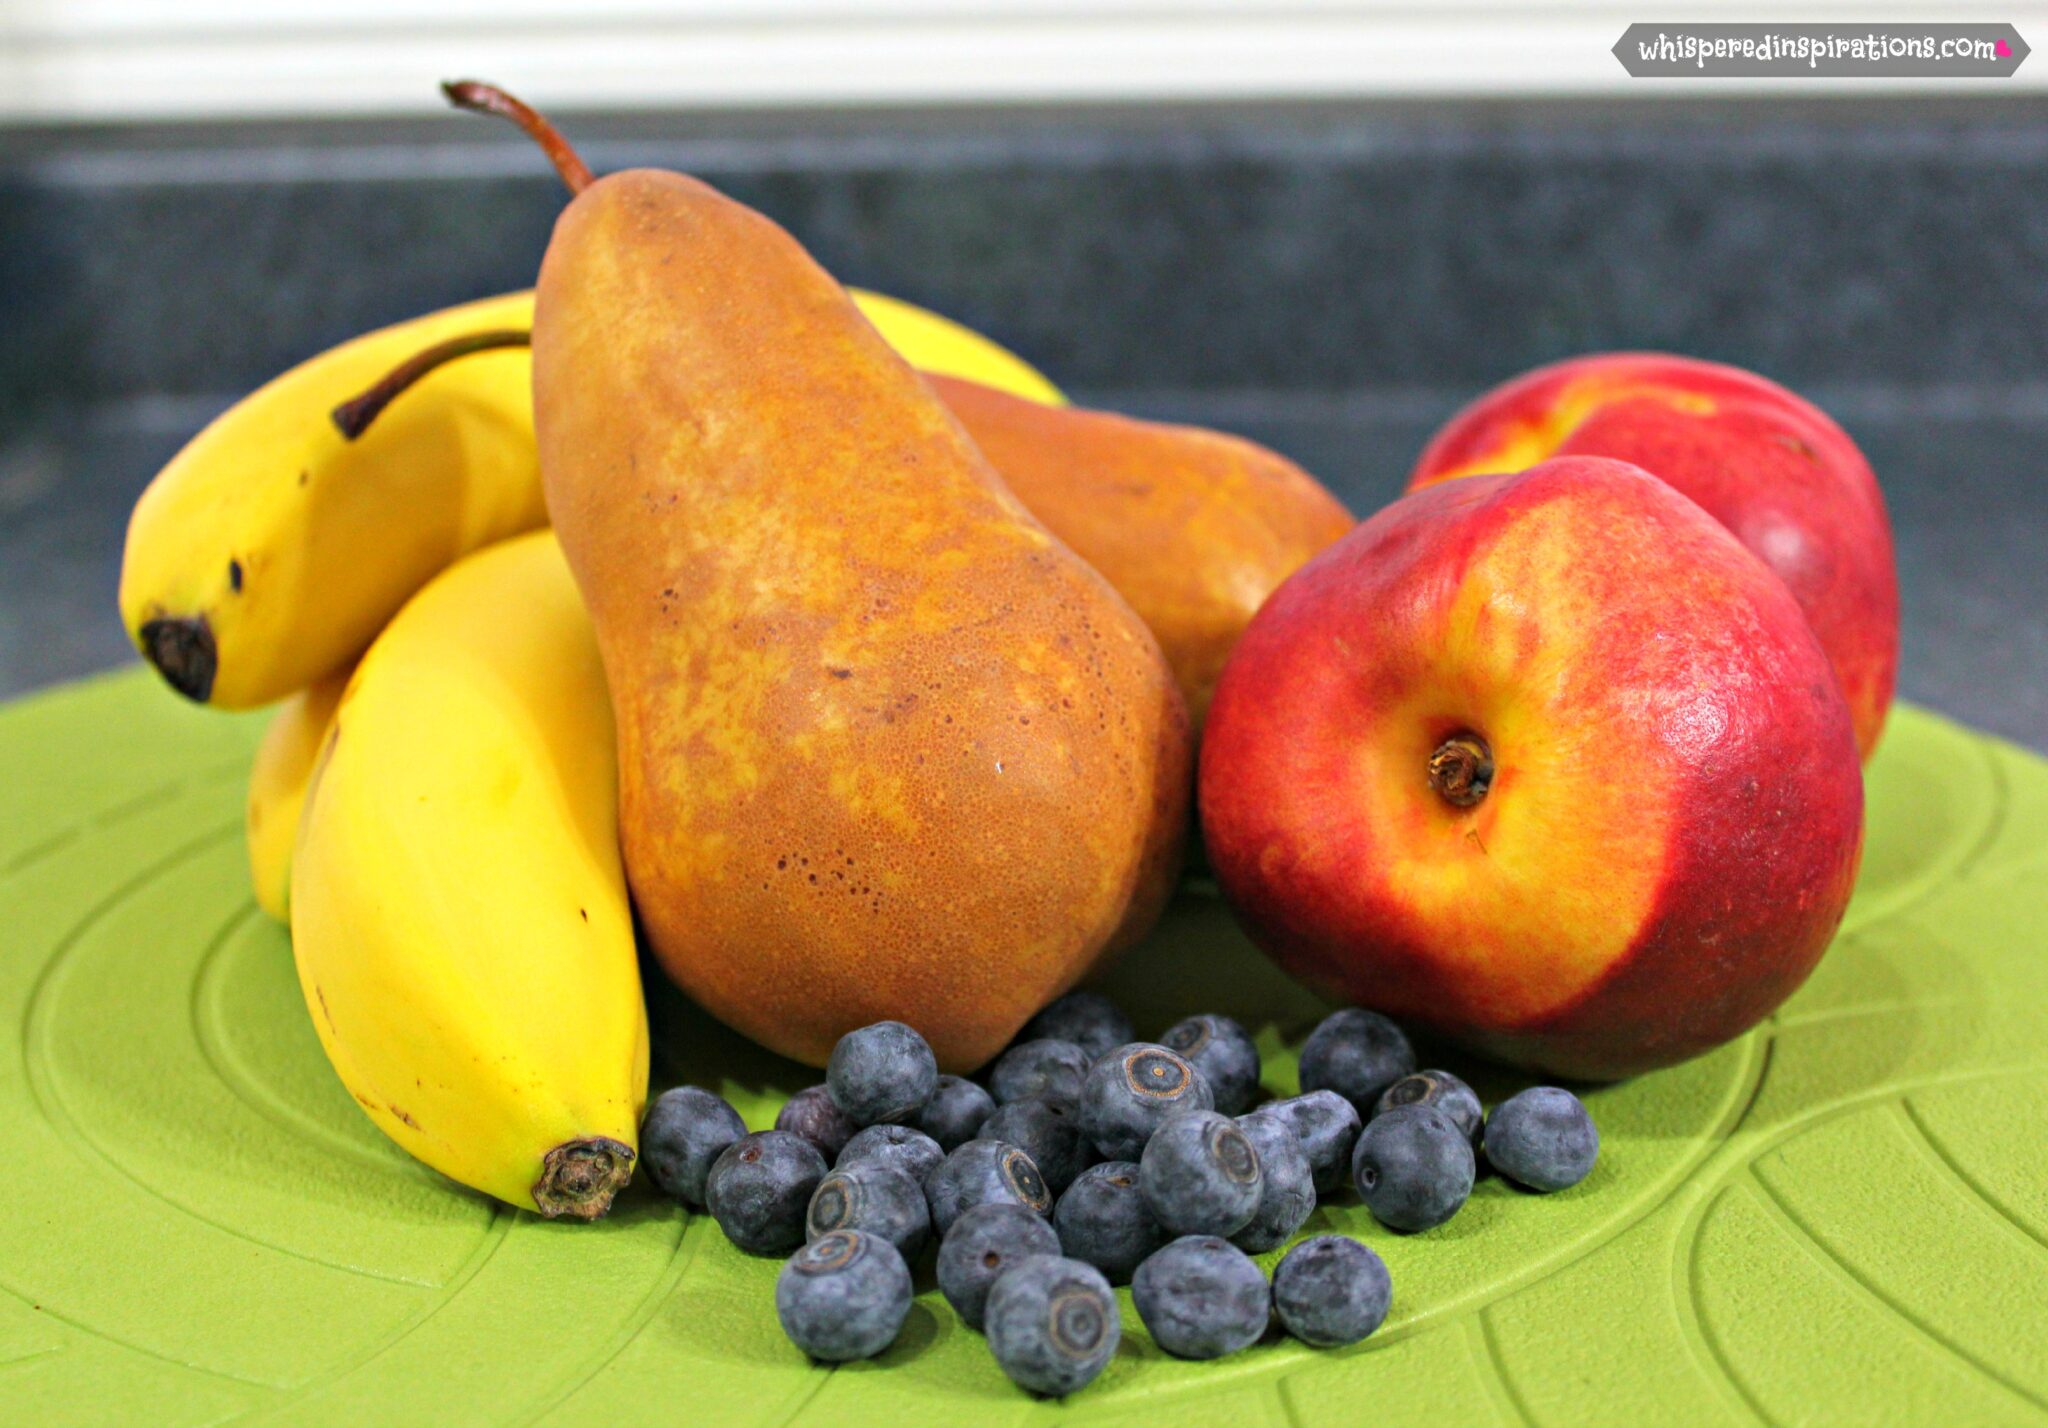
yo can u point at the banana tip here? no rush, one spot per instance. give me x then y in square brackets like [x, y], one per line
[183, 651]
[578, 1178]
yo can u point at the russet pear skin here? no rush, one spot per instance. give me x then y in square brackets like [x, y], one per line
[887, 748]
[1194, 528]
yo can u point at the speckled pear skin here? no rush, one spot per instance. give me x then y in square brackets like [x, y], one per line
[887, 748]
[1195, 528]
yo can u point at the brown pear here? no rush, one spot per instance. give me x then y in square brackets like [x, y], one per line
[887, 748]
[1194, 528]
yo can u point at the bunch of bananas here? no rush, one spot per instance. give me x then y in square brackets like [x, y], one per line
[433, 807]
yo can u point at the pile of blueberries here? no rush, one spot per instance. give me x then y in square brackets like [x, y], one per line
[1092, 1158]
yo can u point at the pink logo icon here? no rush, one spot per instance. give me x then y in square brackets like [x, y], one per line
[2004, 50]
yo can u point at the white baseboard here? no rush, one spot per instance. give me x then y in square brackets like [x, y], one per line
[126, 60]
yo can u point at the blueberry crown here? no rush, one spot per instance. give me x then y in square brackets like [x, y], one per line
[1157, 1073]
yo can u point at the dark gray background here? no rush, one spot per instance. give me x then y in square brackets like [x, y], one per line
[1332, 281]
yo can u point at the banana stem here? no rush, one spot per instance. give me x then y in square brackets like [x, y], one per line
[475, 95]
[353, 417]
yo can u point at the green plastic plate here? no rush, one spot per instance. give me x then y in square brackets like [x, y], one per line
[1842, 1217]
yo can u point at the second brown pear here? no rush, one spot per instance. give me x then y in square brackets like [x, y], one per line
[1195, 528]
[887, 748]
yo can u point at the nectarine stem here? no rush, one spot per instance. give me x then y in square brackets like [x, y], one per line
[353, 417]
[1461, 770]
[474, 94]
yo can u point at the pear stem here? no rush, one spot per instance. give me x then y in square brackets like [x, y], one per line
[475, 95]
[1461, 770]
[353, 417]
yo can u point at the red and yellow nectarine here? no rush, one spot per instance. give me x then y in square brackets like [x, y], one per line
[1546, 763]
[1766, 463]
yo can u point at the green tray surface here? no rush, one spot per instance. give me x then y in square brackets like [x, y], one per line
[1840, 1218]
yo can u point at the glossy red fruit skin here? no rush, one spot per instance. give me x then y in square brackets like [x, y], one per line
[1744, 872]
[1764, 461]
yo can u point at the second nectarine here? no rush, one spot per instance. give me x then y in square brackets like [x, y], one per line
[1766, 463]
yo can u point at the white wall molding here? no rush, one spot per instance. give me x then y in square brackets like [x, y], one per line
[118, 60]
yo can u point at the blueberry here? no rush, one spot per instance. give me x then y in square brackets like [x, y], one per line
[1103, 1220]
[1331, 1291]
[685, 1130]
[984, 1242]
[843, 1296]
[877, 1198]
[1326, 1126]
[1044, 1070]
[1127, 1093]
[1223, 1052]
[984, 1172]
[1357, 1054]
[1413, 1167]
[1089, 1018]
[910, 1151]
[1202, 1298]
[1048, 1132]
[1052, 1324]
[759, 1188]
[1542, 1138]
[884, 1072]
[1200, 1175]
[811, 1114]
[1434, 1088]
[1289, 1196]
[954, 1114]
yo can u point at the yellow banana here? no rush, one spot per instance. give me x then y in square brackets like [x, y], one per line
[932, 343]
[277, 787]
[272, 548]
[458, 909]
